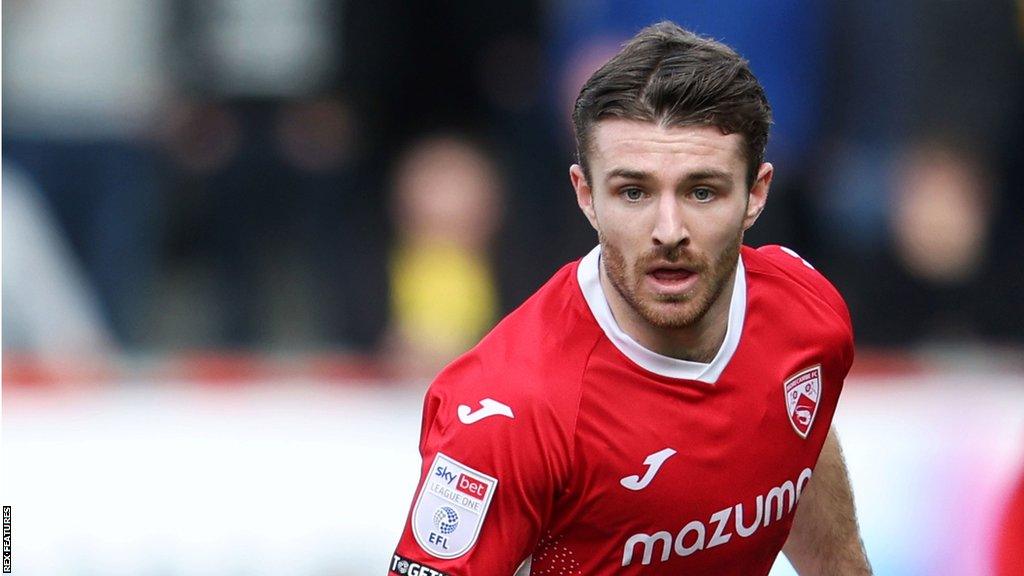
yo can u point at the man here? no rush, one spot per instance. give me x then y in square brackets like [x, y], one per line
[660, 406]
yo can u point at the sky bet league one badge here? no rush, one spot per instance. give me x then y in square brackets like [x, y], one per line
[451, 507]
[803, 392]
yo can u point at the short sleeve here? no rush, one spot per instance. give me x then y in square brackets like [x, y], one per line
[488, 477]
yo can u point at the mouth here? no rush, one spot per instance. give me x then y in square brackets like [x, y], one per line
[672, 279]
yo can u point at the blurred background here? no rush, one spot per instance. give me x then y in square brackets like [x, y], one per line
[240, 236]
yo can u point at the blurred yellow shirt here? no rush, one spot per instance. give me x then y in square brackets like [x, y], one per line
[442, 297]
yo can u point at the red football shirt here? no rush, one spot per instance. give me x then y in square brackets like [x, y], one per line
[560, 442]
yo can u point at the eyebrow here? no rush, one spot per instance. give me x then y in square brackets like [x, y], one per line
[631, 174]
[628, 174]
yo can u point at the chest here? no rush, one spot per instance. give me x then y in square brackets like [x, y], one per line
[683, 472]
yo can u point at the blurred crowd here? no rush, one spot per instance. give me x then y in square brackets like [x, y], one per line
[392, 176]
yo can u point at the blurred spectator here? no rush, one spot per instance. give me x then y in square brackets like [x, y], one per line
[49, 308]
[447, 206]
[270, 189]
[82, 84]
[913, 182]
[941, 214]
[419, 67]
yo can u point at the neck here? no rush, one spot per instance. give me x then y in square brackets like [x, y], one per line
[698, 342]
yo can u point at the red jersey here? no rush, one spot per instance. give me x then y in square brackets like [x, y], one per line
[561, 445]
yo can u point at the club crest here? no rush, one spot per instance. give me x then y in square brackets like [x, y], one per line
[803, 394]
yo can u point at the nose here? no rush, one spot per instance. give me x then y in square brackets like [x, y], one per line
[669, 229]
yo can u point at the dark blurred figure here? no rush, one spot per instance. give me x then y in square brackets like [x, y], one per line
[447, 206]
[270, 194]
[918, 207]
[83, 84]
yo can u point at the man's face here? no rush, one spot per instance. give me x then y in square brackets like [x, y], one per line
[670, 205]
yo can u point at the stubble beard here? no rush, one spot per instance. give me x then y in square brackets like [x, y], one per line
[686, 309]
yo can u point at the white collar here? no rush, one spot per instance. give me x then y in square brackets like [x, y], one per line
[589, 276]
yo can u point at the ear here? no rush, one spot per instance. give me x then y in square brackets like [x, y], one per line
[584, 193]
[758, 195]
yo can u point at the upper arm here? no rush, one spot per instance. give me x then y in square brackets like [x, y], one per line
[818, 501]
[824, 538]
[487, 481]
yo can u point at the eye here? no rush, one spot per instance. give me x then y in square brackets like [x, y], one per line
[632, 194]
[703, 194]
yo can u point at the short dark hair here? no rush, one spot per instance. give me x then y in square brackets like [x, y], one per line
[674, 77]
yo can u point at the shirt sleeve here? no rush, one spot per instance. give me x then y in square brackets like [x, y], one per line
[488, 477]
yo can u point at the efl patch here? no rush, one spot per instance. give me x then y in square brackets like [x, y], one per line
[803, 394]
[405, 567]
[451, 507]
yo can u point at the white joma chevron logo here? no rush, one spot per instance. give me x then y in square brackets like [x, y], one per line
[488, 407]
[653, 463]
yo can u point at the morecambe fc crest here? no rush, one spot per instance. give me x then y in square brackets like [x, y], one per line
[803, 394]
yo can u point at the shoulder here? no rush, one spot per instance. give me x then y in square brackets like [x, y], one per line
[799, 300]
[521, 384]
[783, 269]
[535, 356]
